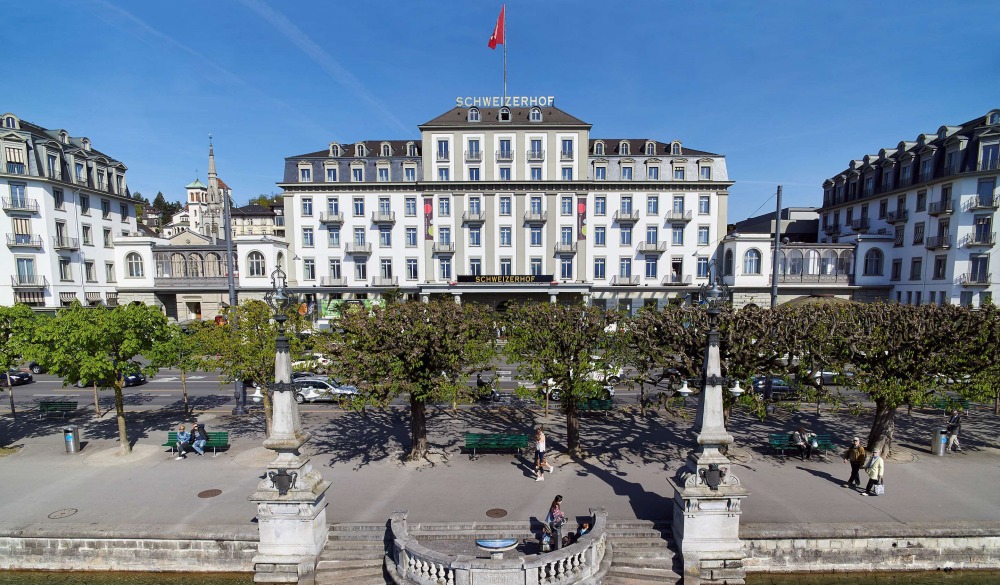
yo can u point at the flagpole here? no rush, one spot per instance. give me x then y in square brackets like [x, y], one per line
[505, 56]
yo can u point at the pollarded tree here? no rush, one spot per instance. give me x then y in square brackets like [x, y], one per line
[423, 350]
[181, 349]
[17, 323]
[980, 370]
[100, 345]
[666, 344]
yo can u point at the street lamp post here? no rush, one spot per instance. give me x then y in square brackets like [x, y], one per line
[291, 501]
[707, 495]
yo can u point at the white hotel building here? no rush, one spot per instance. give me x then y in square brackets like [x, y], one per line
[498, 204]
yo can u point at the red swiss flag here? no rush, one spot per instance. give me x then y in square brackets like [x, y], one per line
[497, 37]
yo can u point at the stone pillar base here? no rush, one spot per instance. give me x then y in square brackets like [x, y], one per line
[706, 526]
[284, 569]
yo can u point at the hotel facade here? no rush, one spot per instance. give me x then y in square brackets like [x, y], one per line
[505, 204]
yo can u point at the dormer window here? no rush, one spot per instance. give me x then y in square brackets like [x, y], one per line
[675, 148]
[473, 115]
[535, 115]
[63, 137]
[411, 149]
[942, 133]
[599, 148]
[993, 119]
[386, 150]
[650, 149]
[360, 150]
[86, 144]
[623, 148]
[505, 114]
[10, 122]
[334, 149]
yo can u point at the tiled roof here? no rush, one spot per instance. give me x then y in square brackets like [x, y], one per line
[551, 116]
[373, 148]
[253, 209]
[222, 184]
[637, 147]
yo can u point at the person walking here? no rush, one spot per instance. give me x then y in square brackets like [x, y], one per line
[555, 520]
[874, 468]
[954, 426]
[540, 462]
[804, 441]
[855, 455]
[183, 442]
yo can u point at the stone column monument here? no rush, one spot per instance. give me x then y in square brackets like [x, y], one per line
[707, 495]
[291, 502]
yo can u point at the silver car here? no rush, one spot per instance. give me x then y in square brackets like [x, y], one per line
[322, 389]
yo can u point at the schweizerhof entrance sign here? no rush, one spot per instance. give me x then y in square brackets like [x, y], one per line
[511, 101]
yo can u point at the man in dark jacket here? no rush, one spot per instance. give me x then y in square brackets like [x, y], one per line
[855, 455]
[954, 426]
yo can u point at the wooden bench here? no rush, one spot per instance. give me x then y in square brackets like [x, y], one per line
[594, 405]
[61, 406]
[216, 440]
[495, 442]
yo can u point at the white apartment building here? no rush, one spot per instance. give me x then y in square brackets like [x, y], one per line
[501, 204]
[64, 203]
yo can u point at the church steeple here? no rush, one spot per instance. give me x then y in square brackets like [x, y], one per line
[214, 196]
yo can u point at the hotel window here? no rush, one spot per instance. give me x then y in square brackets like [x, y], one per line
[473, 173]
[473, 114]
[678, 173]
[600, 205]
[896, 272]
[410, 207]
[410, 174]
[474, 153]
[567, 173]
[309, 269]
[921, 200]
[650, 149]
[411, 237]
[444, 206]
[504, 173]
[383, 174]
[751, 261]
[385, 268]
[940, 267]
[627, 173]
[916, 268]
[536, 173]
[505, 205]
[332, 206]
[625, 268]
[626, 235]
[567, 149]
[677, 233]
[566, 235]
[123, 211]
[89, 272]
[704, 205]
[88, 238]
[360, 268]
[918, 233]
[305, 174]
[331, 174]
[535, 266]
[411, 269]
[536, 235]
[385, 237]
[384, 208]
[626, 206]
[652, 234]
[79, 172]
[599, 148]
[107, 238]
[475, 266]
[600, 173]
[600, 233]
[652, 205]
[653, 173]
[505, 236]
[475, 236]
[442, 150]
[505, 266]
[535, 115]
[623, 149]
[133, 262]
[444, 236]
[307, 237]
[59, 199]
[335, 271]
[535, 205]
[566, 206]
[333, 236]
[505, 151]
[359, 207]
[599, 268]
[357, 174]
[989, 156]
[883, 208]
[51, 166]
[255, 264]
[566, 268]
[109, 272]
[307, 206]
[703, 235]
[536, 152]
[703, 267]
[442, 174]
[105, 208]
[651, 266]
[679, 204]
[475, 206]
[873, 262]
[359, 236]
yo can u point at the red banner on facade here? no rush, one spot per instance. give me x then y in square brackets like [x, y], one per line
[581, 218]
[428, 216]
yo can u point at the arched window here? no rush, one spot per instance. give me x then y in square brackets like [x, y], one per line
[535, 115]
[473, 115]
[195, 265]
[751, 261]
[794, 259]
[993, 119]
[9, 122]
[255, 264]
[134, 263]
[386, 150]
[334, 149]
[505, 114]
[623, 148]
[812, 262]
[650, 149]
[599, 148]
[829, 263]
[727, 264]
[873, 262]
[162, 263]
[213, 264]
[845, 263]
[675, 148]
[360, 150]
[178, 265]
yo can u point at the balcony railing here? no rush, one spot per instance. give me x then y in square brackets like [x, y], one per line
[23, 241]
[861, 225]
[952, 169]
[982, 203]
[978, 240]
[937, 242]
[473, 217]
[332, 281]
[19, 204]
[833, 228]
[925, 176]
[652, 247]
[331, 217]
[443, 248]
[442, 156]
[64, 243]
[989, 165]
[975, 279]
[473, 156]
[505, 155]
[564, 248]
[629, 216]
[356, 248]
[190, 282]
[383, 217]
[676, 280]
[536, 155]
[385, 281]
[814, 278]
[535, 216]
[941, 207]
[617, 280]
[566, 155]
[28, 281]
[675, 215]
[898, 216]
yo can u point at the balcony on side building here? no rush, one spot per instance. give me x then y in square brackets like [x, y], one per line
[990, 164]
[535, 217]
[982, 203]
[975, 279]
[898, 216]
[23, 241]
[19, 204]
[385, 281]
[937, 242]
[383, 217]
[673, 215]
[473, 156]
[443, 248]
[652, 247]
[442, 156]
[473, 217]
[331, 217]
[622, 216]
[505, 155]
[617, 280]
[564, 248]
[535, 155]
[676, 280]
[64, 243]
[565, 155]
[978, 240]
[861, 225]
[358, 248]
[833, 228]
[332, 281]
[946, 207]
[22, 281]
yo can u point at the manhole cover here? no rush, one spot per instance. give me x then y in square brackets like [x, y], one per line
[64, 513]
[496, 512]
[209, 493]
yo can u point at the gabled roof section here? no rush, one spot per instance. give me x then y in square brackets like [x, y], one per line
[459, 117]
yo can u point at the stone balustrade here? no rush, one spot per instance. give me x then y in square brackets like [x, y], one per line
[415, 564]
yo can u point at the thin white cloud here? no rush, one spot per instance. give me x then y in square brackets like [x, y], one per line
[332, 67]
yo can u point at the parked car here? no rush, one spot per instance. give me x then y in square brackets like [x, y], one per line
[135, 379]
[321, 389]
[773, 387]
[832, 378]
[17, 377]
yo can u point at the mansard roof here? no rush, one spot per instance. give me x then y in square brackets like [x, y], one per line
[373, 148]
[459, 117]
[637, 147]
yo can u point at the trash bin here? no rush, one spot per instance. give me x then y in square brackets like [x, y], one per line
[939, 444]
[557, 536]
[71, 436]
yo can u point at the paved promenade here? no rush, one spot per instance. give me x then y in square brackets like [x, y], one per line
[629, 459]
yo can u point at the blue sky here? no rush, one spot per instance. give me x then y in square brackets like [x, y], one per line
[789, 91]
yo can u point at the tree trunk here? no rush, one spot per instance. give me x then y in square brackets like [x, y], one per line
[418, 428]
[126, 447]
[883, 427]
[266, 401]
[642, 397]
[10, 394]
[184, 390]
[573, 428]
[996, 404]
[97, 403]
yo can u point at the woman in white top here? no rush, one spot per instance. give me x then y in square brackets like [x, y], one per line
[540, 454]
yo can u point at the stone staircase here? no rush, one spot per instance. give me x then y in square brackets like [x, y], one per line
[643, 551]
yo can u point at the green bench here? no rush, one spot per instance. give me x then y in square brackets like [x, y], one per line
[780, 442]
[949, 404]
[495, 442]
[216, 440]
[594, 405]
[63, 407]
